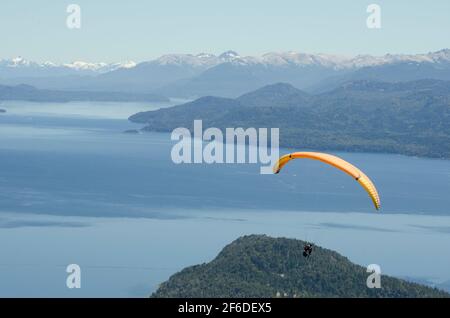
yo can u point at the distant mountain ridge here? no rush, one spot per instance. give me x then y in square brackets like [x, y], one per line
[310, 72]
[228, 74]
[411, 118]
[21, 67]
[271, 58]
[261, 266]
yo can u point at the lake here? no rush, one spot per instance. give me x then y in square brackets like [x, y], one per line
[75, 189]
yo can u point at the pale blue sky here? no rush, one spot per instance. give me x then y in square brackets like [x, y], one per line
[142, 30]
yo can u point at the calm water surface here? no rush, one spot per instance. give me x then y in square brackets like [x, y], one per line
[75, 189]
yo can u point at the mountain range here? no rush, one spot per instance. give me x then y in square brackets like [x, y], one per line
[261, 266]
[20, 67]
[228, 74]
[411, 118]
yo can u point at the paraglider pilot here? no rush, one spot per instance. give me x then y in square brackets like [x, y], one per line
[307, 250]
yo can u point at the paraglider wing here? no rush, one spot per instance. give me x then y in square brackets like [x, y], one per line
[338, 163]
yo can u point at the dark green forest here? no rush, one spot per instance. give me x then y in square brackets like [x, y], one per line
[261, 266]
[411, 118]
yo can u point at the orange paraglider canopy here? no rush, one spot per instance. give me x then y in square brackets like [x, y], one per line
[338, 163]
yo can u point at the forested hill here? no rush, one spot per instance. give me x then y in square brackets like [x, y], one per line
[410, 118]
[261, 266]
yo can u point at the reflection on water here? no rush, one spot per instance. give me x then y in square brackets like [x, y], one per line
[75, 189]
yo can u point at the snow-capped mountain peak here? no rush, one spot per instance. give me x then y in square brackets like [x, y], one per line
[48, 64]
[441, 55]
[201, 61]
[299, 59]
[127, 64]
[16, 62]
[100, 67]
[80, 65]
[205, 56]
[229, 55]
